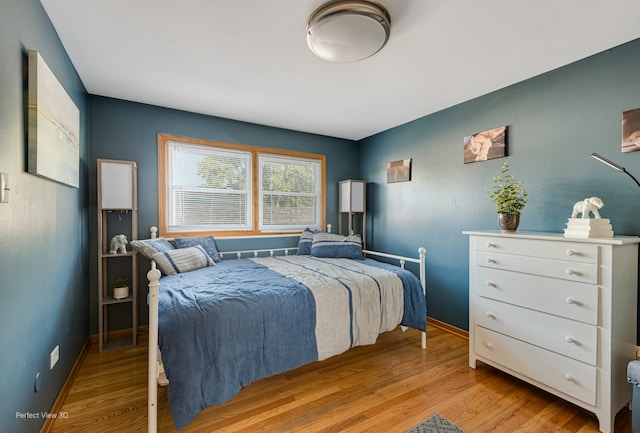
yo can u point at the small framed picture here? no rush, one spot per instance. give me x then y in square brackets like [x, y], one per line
[399, 171]
[631, 130]
[485, 145]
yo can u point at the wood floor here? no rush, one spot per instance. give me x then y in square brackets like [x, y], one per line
[388, 387]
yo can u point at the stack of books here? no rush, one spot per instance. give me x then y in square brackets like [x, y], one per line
[588, 228]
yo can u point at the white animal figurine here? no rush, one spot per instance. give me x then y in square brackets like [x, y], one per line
[591, 204]
[118, 242]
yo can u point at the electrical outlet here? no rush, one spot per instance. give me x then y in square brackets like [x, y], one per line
[53, 358]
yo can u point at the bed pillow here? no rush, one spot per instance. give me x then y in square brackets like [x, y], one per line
[206, 242]
[336, 246]
[148, 247]
[182, 260]
[304, 245]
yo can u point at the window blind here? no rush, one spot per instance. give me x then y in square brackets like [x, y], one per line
[209, 189]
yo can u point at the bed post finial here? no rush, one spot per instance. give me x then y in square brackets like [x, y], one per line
[154, 232]
[423, 253]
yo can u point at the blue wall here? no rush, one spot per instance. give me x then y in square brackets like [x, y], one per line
[128, 131]
[555, 121]
[43, 233]
[47, 231]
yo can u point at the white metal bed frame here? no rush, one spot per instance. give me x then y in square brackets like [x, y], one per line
[156, 370]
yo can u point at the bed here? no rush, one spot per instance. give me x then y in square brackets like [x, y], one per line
[225, 320]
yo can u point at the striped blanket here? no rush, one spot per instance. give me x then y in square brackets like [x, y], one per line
[354, 302]
[222, 327]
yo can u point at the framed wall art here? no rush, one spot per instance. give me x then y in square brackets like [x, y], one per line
[485, 145]
[54, 126]
[399, 171]
[631, 130]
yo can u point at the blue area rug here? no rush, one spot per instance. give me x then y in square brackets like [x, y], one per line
[436, 424]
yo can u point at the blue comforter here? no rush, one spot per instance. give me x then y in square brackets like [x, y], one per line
[223, 327]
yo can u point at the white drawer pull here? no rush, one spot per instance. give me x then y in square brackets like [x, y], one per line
[490, 315]
[570, 272]
[488, 344]
[491, 284]
[571, 253]
[569, 340]
[568, 377]
[490, 245]
[489, 260]
[570, 300]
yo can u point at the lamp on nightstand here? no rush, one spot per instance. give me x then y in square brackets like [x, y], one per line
[353, 201]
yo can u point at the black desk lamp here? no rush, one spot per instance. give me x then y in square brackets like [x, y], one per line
[613, 165]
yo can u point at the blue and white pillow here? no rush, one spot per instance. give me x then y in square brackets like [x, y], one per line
[206, 242]
[182, 260]
[336, 246]
[304, 245]
[148, 247]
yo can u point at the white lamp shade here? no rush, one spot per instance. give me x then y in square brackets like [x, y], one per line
[352, 196]
[116, 180]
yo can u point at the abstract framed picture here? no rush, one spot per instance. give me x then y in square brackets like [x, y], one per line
[54, 126]
[485, 145]
[399, 171]
[631, 130]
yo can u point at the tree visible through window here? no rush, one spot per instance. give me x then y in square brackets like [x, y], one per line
[288, 189]
[207, 186]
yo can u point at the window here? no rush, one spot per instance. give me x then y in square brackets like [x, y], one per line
[212, 187]
[289, 191]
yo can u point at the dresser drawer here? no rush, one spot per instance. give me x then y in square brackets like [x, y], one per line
[572, 271]
[570, 299]
[566, 337]
[566, 375]
[573, 251]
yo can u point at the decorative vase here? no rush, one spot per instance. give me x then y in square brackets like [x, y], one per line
[120, 292]
[508, 222]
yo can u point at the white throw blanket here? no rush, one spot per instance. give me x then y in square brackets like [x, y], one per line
[354, 302]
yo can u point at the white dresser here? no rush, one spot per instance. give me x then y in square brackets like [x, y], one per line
[559, 313]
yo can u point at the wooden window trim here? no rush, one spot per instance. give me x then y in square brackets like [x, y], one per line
[163, 222]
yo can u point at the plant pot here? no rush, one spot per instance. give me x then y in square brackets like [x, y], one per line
[508, 222]
[120, 292]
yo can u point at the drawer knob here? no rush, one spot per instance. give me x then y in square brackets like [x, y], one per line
[571, 253]
[489, 260]
[568, 377]
[490, 315]
[488, 344]
[491, 284]
[570, 272]
[569, 340]
[491, 245]
[570, 300]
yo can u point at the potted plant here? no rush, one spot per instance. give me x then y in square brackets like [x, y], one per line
[120, 288]
[509, 197]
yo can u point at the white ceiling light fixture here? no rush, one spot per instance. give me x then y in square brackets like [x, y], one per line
[348, 31]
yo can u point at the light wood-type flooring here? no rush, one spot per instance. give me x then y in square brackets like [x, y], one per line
[387, 387]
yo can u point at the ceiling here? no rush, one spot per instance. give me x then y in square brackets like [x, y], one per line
[248, 60]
